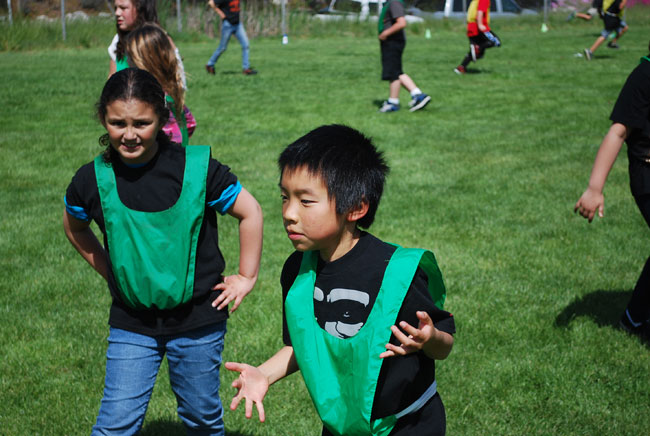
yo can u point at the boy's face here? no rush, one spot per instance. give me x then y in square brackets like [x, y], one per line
[309, 215]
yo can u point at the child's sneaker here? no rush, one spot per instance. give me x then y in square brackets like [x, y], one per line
[612, 44]
[475, 51]
[642, 330]
[389, 107]
[460, 70]
[210, 69]
[419, 101]
[588, 54]
[249, 72]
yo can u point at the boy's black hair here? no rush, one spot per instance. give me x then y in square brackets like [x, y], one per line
[132, 84]
[351, 167]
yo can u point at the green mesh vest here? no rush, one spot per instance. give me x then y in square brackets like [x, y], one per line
[341, 374]
[153, 254]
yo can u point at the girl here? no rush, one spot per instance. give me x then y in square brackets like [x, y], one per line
[155, 203]
[149, 48]
[129, 15]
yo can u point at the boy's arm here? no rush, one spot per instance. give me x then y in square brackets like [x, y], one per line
[85, 242]
[216, 9]
[399, 24]
[253, 382]
[592, 199]
[235, 287]
[479, 21]
[435, 343]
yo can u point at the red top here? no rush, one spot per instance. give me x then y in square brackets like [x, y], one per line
[472, 12]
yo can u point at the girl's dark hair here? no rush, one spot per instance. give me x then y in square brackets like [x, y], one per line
[352, 169]
[132, 84]
[145, 11]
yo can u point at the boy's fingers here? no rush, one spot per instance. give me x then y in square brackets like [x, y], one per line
[235, 402]
[234, 366]
[260, 411]
[249, 408]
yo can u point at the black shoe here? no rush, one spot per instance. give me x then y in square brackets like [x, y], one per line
[642, 330]
[249, 72]
[210, 69]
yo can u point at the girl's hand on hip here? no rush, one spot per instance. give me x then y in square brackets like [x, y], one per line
[233, 289]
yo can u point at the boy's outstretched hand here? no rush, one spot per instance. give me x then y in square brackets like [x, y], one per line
[251, 385]
[416, 338]
[233, 289]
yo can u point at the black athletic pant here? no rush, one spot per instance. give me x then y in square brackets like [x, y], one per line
[639, 305]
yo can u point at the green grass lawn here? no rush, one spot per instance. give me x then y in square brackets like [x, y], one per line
[486, 177]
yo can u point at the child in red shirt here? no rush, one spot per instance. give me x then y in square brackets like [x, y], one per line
[479, 33]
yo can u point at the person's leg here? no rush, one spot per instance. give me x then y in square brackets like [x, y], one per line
[393, 89]
[241, 36]
[621, 31]
[597, 43]
[638, 309]
[194, 361]
[132, 363]
[407, 82]
[227, 30]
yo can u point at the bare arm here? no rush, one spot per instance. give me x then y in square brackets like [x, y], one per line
[253, 383]
[85, 242]
[112, 68]
[479, 21]
[217, 9]
[592, 199]
[398, 25]
[435, 343]
[235, 287]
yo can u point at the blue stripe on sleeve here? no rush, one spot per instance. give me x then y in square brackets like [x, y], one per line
[227, 199]
[76, 211]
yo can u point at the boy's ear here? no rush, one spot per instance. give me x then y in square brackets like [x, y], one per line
[359, 211]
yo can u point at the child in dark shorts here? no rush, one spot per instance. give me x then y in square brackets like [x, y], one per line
[392, 40]
[612, 15]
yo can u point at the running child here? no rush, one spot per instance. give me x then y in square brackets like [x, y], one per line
[363, 320]
[154, 202]
[631, 124]
[481, 37]
[612, 15]
[149, 48]
[392, 41]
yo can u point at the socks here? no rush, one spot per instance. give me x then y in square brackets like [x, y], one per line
[415, 92]
[393, 101]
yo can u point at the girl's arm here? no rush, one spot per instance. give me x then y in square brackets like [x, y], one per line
[85, 242]
[592, 199]
[398, 25]
[435, 343]
[112, 68]
[235, 287]
[253, 382]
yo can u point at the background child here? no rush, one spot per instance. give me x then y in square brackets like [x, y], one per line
[345, 292]
[630, 123]
[392, 41]
[155, 203]
[612, 16]
[129, 15]
[479, 33]
[149, 48]
[593, 10]
[228, 11]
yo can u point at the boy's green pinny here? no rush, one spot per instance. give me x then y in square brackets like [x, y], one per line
[153, 254]
[341, 374]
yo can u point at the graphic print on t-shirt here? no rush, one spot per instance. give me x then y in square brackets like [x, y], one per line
[343, 311]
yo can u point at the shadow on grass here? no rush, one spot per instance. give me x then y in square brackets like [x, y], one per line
[173, 428]
[603, 307]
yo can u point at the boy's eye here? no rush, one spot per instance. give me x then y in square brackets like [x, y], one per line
[305, 201]
[283, 197]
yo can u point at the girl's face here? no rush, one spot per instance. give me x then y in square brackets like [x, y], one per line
[125, 15]
[132, 126]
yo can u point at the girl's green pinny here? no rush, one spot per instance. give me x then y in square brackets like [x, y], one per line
[341, 374]
[153, 254]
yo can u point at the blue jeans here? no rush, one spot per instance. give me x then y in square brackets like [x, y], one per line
[227, 30]
[132, 363]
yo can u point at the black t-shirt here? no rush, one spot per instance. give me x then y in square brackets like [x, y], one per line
[344, 294]
[231, 9]
[632, 109]
[153, 187]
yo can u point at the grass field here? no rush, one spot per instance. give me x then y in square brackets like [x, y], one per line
[486, 177]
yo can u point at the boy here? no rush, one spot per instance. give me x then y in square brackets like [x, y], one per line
[612, 14]
[228, 11]
[478, 31]
[343, 299]
[392, 41]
